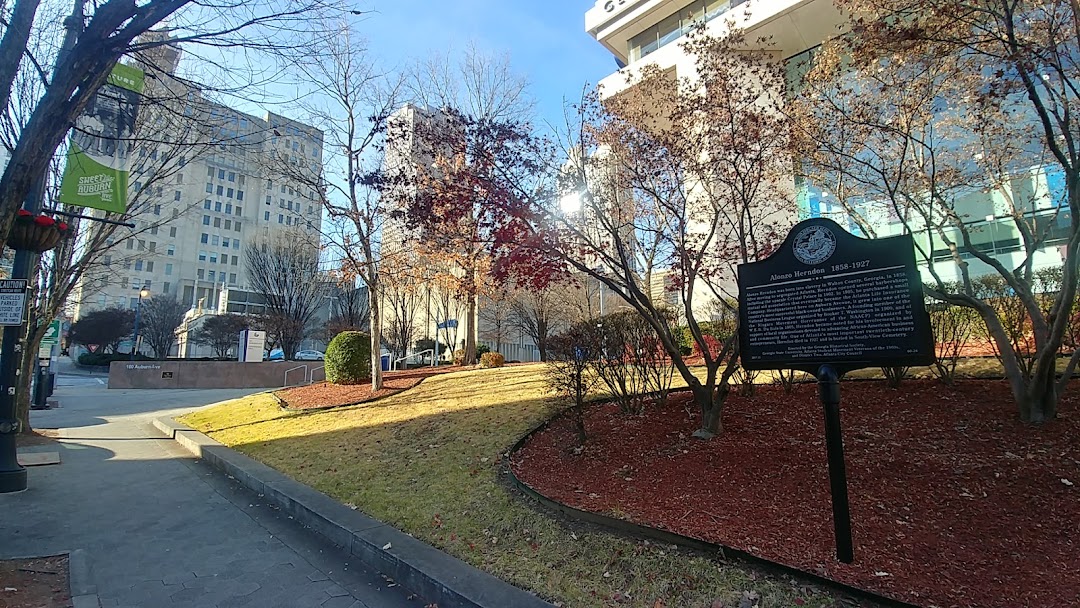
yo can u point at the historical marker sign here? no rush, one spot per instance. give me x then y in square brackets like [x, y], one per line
[830, 297]
[12, 301]
[828, 302]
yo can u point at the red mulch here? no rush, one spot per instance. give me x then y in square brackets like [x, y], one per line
[954, 502]
[324, 394]
[37, 582]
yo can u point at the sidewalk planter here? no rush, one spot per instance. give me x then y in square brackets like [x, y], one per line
[36, 233]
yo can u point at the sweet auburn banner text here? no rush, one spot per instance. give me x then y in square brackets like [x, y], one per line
[96, 174]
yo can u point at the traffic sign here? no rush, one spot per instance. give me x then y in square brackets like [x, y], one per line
[52, 335]
[12, 301]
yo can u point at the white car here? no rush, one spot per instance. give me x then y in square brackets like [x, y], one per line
[309, 355]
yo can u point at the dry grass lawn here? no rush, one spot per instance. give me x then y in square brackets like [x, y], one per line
[427, 461]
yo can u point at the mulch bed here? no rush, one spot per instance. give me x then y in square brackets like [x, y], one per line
[40, 582]
[324, 395]
[954, 502]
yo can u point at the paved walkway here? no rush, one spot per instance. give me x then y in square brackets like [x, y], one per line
[161, 529]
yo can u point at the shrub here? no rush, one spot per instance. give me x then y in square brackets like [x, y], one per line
[481, 349]
[348, 358]
[490, 359]
[459, 356]
[570, 370]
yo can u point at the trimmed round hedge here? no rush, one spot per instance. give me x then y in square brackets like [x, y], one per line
[348, 358]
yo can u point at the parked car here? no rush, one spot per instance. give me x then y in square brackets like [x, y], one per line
[276, 355]
[309, 355]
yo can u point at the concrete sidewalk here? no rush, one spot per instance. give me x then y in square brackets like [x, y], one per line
[161, 529]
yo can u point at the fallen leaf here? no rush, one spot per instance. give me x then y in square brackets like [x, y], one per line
[386, 547]
[1067, 482]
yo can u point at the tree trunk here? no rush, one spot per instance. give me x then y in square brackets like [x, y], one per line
[470, 332]
[1040, 400]
[375, 319]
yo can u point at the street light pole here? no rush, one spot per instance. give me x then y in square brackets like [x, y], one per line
[12, 474]
[143, 293]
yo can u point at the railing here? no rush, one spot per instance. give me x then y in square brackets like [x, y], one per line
[311, 374]
[393, 364]
[289, 371]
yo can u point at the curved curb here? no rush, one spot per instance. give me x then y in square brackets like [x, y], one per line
[417, 566]
[626, 528]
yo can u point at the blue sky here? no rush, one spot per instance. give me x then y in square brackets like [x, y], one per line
[546, 40]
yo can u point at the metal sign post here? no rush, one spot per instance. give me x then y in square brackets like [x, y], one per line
[826, 303]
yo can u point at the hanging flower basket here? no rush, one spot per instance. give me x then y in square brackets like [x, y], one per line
[36, 232]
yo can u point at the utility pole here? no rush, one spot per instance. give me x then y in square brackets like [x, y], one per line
[13, 475]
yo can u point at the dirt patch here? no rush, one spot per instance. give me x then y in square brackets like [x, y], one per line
[40, 582]
[954, 502]
[324, 394]
[37, 437]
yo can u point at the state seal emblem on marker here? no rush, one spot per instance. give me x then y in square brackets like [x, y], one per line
[814, 244]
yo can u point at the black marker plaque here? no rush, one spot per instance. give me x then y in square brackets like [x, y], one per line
[828, 302]
[830, 297]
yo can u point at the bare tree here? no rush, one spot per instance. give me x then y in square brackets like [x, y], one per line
[541, 312]
[285, 271]
[402, 297]
[694, 170]
[352, 102]
[221, 332]
[925, 100]
[495, 313]
[160, 316]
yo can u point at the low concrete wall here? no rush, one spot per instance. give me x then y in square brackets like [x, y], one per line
[204, 374]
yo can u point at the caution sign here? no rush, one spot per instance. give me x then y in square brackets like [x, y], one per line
[12, 301]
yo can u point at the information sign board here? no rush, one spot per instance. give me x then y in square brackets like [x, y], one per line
[827, 296]
[12, 301]
[52, 334]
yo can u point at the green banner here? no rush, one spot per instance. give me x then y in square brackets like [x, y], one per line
[96, 175]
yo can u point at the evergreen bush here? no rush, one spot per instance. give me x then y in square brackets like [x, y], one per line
[348, 358]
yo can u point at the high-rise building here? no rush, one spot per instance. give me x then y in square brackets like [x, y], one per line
[649, 33]
[207, 180]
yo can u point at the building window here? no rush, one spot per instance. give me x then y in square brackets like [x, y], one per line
[266, 216]
[232, 176]
[142, 245]
[212, 276]
[201, 274]
[235, 260]
[228, 208]
[213, 258]
[206, 204]
[138, 265]
[240, 180]
[204, 238]
[210, 172]
[239, 195]
[229, 193]
[202, 256]
[165, 288]
[157, 209]
[239, 211]
[232, 278]
[283, 188]
[107, 260]
[150, 266]
[228, 224]
[280, 219]
[215, 240]
[217, 206]
[153, 246]
[131, 244]
[172, 231]
[236, 244]
[288, 221]
[221, 174]
[168, 269]
[220, 190]
[217, 222]
[153, 229]
[269, 199]
[180, 176]
[171, 250]
[209, 188]
[206, 220]
[176, 195]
